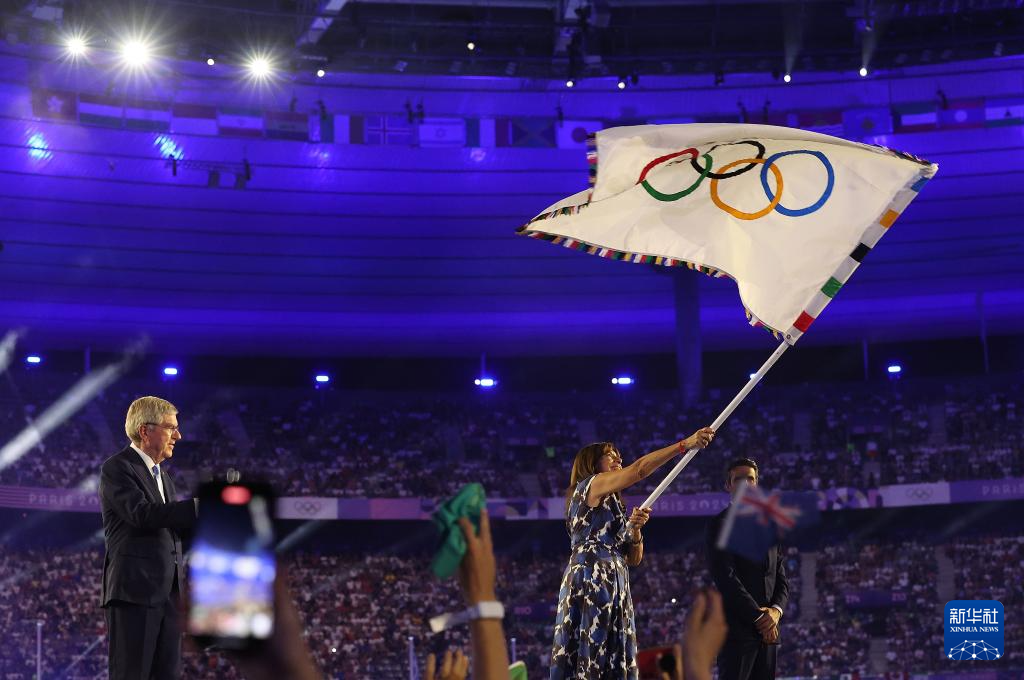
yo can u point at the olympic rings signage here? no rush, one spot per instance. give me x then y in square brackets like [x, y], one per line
[306, 507]
[769, 164]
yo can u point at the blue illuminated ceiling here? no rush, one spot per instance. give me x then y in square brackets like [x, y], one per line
[354, 249]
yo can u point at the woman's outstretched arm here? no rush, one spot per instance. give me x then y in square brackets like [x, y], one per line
[616, 480]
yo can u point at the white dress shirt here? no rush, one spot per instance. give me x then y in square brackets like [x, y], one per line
[149, 468]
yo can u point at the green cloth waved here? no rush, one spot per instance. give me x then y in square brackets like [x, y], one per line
[468, 502]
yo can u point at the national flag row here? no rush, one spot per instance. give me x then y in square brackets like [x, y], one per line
[155, 116]
[959, 114]
[399, 130]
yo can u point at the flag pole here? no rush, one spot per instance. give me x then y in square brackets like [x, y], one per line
[719, 421]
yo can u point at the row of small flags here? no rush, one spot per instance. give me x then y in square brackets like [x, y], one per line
[91, 109]
[964, 113]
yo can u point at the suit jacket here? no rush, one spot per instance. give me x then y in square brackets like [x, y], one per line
[745, 586]
[140, 531]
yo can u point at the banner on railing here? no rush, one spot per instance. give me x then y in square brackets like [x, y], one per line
[513, 509]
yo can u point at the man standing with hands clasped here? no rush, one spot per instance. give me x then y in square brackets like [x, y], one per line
[754, 593]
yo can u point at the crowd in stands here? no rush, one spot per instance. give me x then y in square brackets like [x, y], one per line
[353, 445]
[891, 588]
[822, 648]
[909, 574]
[61, 589]
[359, 611]
[990, 568]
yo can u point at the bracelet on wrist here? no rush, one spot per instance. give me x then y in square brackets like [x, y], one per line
[490, 609]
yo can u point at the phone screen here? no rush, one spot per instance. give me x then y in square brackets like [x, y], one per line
[232, 566]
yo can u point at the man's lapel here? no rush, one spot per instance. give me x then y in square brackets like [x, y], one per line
[169, 493]
[144, 475]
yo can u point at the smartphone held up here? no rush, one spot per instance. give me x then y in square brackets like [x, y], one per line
[232, 566]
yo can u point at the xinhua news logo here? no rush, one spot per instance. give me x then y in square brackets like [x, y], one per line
[974, 630]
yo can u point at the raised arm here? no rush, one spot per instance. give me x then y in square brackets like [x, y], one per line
[477, 574]
[613, 481]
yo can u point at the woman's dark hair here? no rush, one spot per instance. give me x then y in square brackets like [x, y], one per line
[585, 465]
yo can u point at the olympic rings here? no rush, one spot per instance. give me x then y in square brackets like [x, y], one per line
[716, 175]
[766, 164]
[679, 194]
[661, 159]
[745, 215]
[781, 209]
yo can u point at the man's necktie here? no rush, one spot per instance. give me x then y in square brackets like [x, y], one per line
[156, 476]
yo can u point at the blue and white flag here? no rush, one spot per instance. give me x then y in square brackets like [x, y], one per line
[759, 519]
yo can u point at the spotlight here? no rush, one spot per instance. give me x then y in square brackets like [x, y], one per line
[471, 46]
[486, 383]
[320, 73]
[623, 380]
[894, 369]
[786, 78]
[170, 371]
[135, 53]
[570, 83]
[751, 376]
[863, 71]
[322, 379]
[33, 359]
[622, 84]
[75, 46]
[38, 148]
[259, 67]
[210, 61]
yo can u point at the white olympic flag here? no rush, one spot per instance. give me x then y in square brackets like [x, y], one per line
[788, 214]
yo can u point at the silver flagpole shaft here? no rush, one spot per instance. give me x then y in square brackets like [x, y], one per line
[39, 650]
[719, 421]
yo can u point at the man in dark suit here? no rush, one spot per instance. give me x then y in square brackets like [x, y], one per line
[142, 567]
[755, 595]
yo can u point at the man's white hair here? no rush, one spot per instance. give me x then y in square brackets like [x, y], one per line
[146, 410]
